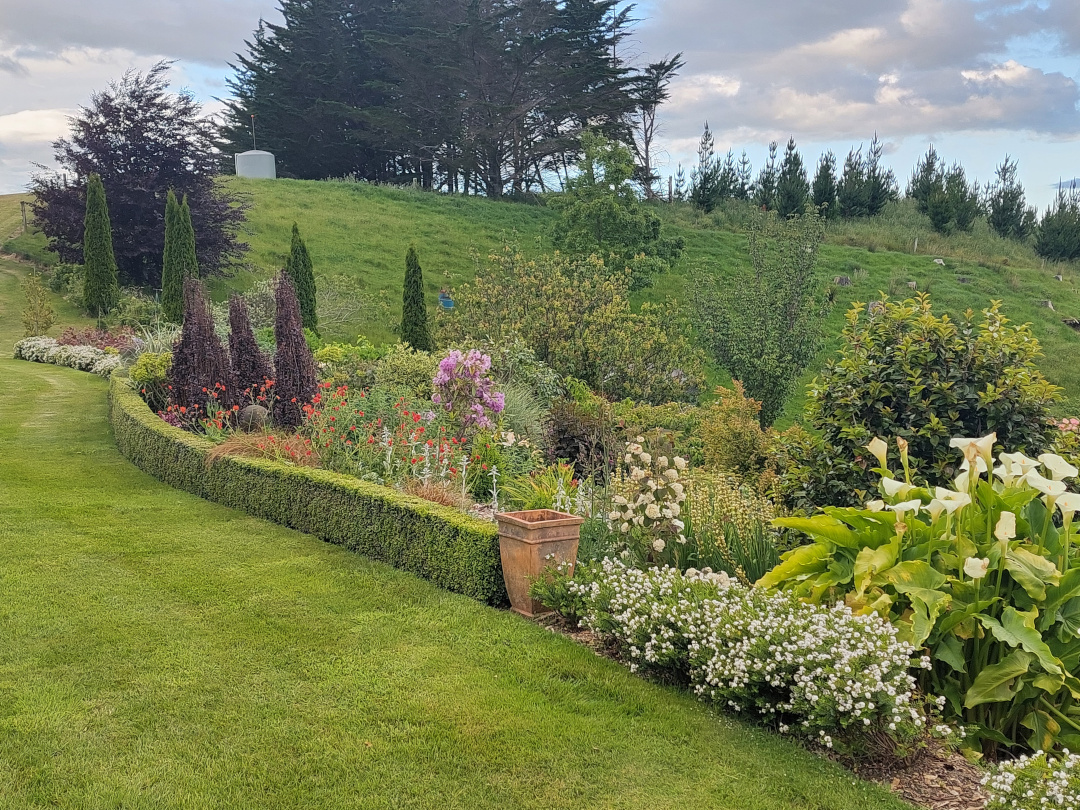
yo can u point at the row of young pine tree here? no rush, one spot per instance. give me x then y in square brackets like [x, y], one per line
[865, 186]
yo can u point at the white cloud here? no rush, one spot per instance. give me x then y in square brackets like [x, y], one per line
[33, 126]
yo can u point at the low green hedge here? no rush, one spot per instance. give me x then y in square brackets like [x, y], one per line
[453, 550]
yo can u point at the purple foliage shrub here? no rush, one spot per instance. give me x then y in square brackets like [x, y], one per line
[200, 367]
[251, 367]
[295, 383]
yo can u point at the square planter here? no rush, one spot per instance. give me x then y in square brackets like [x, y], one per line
[530, 542]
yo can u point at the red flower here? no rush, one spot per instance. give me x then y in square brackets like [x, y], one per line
[416, 417]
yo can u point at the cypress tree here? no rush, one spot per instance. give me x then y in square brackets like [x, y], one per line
[189, 263]
[295, 382]
[765, 187]
[414, 316]
[101, 292]
[298, 267]
[250, 367]
[172, 279]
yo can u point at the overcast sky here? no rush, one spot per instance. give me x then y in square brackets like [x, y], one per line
[979, 78]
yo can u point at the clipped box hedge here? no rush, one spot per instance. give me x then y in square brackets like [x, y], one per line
[453, 550]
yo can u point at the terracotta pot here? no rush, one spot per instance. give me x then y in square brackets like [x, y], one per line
[529, 543]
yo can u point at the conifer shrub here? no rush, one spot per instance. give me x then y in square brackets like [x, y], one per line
[101, 291]
[200, 366]
[172, 277]
[300, 272]
[38, 314]
[295, 381]
[415, 330]
[250, 366]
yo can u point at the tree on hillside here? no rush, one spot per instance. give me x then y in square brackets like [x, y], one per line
[1007, 210]
[765, 185]
[600, 214]
[100, 289]
[792, 188]
[415, 329]
[142, 141]
[765, 327]
[880, 180]
[298, 268]
[963, 198]
[927, 178]
[650, 90]
[851, 196]
[704, 180]
[823, 192]
[1058, 235]
[178, 260]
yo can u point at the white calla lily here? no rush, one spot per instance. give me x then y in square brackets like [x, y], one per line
[984, 446]
[980, 465]
[961, 500]
[976, 567]
[880, 450]
[962, 481]
[1069, 504]
[1017, 463]
[1059, 468]
[1006, 527]
[894, 488]
[1047, 487]
[935, 508]
[875, 506]
[907, 506]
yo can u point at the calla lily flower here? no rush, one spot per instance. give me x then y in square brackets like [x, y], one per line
[976, 567]
[980, 465]
[875, 506]
[880, 450]
[1017, 463]
[935, 508]
[907, 506]
[1068, 503]
[1059, 468]
[951, 500]
[894, 488]
[984, 447]
[1006, 527]
[1051, 488]
[962, 481]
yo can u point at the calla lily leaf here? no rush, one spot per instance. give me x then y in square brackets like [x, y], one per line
[1018, 630]
[1032, 571]
[995, 683]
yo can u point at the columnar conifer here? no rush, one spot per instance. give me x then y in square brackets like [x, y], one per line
[414, 316]
[302, 277]
[101, 291]
[172, 278]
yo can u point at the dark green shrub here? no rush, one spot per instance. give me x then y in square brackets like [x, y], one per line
[298, 268]
[452, 550]
[415, 330]
[903, 372]
[676, 425]
[101, 289]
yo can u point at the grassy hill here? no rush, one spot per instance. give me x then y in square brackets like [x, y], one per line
[363, 231]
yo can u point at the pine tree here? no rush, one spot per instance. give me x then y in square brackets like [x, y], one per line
[1007, 210]
[765, 187]
[792, 189]
[1058, 235]
[295, 382]
[927, 178]
[824, 190]
[703, 180]
[727, 183]
[679, 191]
[172, 279]
[250, 367]
[851, 196]
[101, 291]
[745, 172]
[963, 198]
[300, 272]
[880, 181]
[414, 316]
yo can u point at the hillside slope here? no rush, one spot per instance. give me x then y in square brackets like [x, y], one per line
[363, 231]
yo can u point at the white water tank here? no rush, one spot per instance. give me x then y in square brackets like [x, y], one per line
[256, 163]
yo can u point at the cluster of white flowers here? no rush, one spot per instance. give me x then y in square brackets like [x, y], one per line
[81, 358]
[653, 501]
[1035, 782]
[803, 667]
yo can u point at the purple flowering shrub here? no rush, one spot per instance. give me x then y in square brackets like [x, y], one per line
[466, 392]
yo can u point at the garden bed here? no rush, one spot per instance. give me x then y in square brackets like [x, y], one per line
[454, 551]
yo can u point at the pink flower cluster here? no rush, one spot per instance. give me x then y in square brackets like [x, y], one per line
[1070, 425]
[464, 389]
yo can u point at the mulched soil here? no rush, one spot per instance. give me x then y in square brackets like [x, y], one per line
[934, 779]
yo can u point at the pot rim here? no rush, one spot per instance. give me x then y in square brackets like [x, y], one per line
[539, 518]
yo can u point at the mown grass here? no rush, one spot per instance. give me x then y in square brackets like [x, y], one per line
[363, 231]
[158, 651]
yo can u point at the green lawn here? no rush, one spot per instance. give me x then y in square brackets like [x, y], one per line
[158, 651]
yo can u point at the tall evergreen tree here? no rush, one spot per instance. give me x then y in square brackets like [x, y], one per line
[745, 172]
[927, 179]
[824, 189]
[172, 276]
[189, 261]
[765, 187]
[852, 196]
[880, 180]
[792, 188]
[727, 183]
[300, 272]
[414, 315]
[963, 198]
[704, 178]
[101, 291]
[1007, 209]
[1058, 235]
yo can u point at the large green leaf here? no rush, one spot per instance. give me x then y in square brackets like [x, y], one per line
[1068, 617]
[994, 683]
[798, 565]
[912, 574]
[1018, 630]
[1032, 571]
[872, 561]
[822, 527]
[1057, 595]
[1044, 730]
[951, 650]
[927, 606]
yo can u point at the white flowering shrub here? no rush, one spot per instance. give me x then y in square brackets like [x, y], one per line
[647, 509]
[1035, 782]
[81, 358]
[807, 669]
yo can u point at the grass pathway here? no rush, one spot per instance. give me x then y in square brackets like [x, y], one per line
[158, 651]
